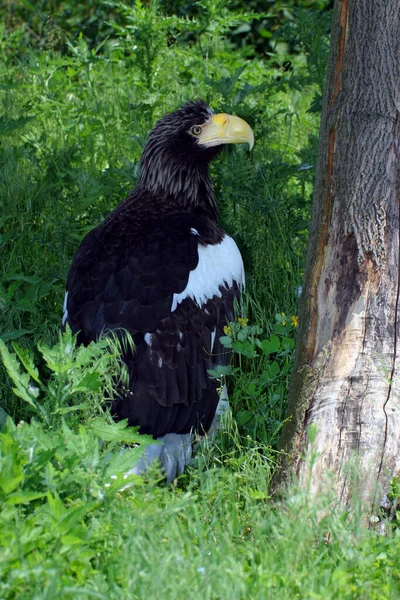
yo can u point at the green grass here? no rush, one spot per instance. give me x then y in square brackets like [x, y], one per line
[73, 119]
[214, 536]
[74, 525]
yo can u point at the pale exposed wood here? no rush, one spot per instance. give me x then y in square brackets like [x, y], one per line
[346, 378]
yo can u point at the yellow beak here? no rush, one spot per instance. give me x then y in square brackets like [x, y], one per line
[226, 129]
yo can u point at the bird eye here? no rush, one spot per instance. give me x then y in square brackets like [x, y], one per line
[196, 130]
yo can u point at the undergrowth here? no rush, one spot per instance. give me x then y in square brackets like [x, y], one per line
[75, 525]
[259, 375]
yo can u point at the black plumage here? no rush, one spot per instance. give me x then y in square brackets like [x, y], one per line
[142, 270]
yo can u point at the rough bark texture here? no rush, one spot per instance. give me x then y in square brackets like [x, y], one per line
[346, 377]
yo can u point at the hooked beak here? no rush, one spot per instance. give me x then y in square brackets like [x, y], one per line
[226, 129]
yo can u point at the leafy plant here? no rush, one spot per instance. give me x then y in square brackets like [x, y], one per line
[261, 369]
[78, 377]
[70, 460]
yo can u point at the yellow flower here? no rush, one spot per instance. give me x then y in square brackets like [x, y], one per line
[243, 322]
[283, 314]
[227, 330]
[295, 320]
[283, 323]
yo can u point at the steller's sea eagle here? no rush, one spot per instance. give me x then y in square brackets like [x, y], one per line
[161, 267]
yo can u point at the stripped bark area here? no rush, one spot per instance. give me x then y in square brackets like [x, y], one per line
[346, 377]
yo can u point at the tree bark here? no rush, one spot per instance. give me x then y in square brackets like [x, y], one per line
[346, 378]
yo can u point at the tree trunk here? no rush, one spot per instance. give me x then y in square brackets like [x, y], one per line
[346, 378]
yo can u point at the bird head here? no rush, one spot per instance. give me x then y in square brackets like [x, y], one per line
[181, 144]
[194, 132]
[208, 130]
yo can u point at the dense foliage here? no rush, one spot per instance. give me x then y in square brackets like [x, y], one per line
[49, 24]
[81, 87]
[73, 126]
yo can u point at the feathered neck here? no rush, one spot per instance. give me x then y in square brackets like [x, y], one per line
[176, 179]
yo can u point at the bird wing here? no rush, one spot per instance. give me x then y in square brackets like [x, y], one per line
[173, 292]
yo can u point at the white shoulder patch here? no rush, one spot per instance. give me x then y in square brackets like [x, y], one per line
[65, 315]
[219, 265]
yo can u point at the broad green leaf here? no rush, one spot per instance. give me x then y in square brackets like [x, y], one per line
[119, 432]
[280, 329]
[226, 341]
[288, 342]
[21, 380]
[90, 382]
[15, 334]
[243, 417]
[271, 346]
[219, 371]
[9, 484]
[73, 515]
[23, 394]
[64, 410]
[12, 463]
[121, 462]
[26, 357]
[26, 304]
[72, 540]
[274, 368]
[57, 506]
[242, 335]
[23, 497]
[246, 348]
[35, 279]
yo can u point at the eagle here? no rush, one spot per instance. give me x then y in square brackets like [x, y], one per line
[161, 268]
